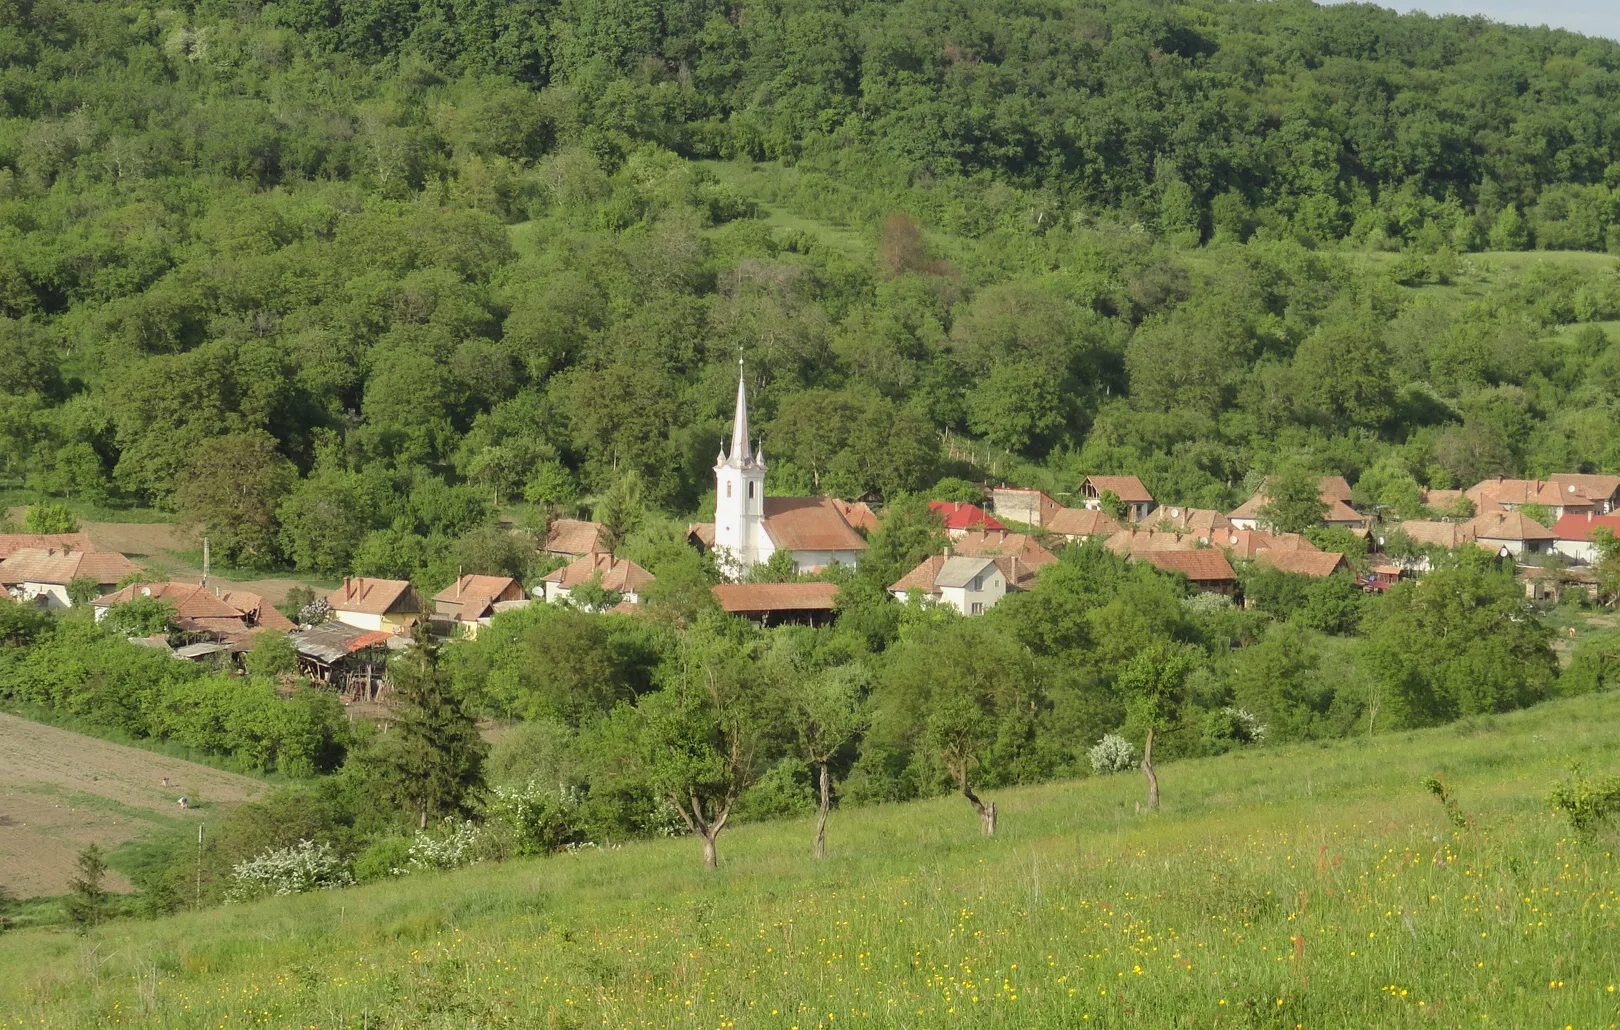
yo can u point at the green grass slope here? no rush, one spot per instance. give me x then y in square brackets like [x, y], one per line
[1289, 887]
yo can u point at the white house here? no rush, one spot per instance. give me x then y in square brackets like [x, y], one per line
[42, 575]
[750, 527]
[619, 575]
[1574, 535]
[972, 584]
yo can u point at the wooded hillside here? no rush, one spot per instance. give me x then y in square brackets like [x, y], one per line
[334, 281]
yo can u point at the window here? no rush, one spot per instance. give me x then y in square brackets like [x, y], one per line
[977, 608]
[977, 584]
[728, 489]
[750, 491]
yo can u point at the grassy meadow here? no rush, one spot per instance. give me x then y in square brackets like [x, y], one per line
[1313, 886]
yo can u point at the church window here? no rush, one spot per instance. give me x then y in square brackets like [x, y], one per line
[728, 489]
[750, 491]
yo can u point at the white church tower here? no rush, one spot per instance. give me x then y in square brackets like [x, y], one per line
[739, 507]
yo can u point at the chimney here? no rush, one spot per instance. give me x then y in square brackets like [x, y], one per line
[348, 590]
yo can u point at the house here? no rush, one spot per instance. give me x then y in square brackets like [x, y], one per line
[972, 584]
[1511, 531]
[470, 601]
[229, 617]
[961, 517]
[1081, 524]
[750, 527]
[1030, 554]
[1573, 535]
[1550, 585]
[775, 603]
[1382, 576]
[1429, 533]
[1031, 507]
[11, 543]
[619, 575]
[1441, 500]
[1603, 491]
[1136, 541]
[42, 575]
[570, 538]
[1201, 522]
[1206, 569]
[1247, 544]
[1316, 564]
[1332, 490]
[1138, 502]
[349, 659]
[1561, 496]
[261, 614]
[387, 605]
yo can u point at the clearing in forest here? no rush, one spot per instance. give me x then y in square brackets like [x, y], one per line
[61, 790]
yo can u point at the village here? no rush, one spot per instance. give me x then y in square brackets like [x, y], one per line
[988, 550]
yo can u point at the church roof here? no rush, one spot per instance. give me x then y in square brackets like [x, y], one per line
[809, 524]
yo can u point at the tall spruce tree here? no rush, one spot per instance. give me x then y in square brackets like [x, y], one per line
[432, 763]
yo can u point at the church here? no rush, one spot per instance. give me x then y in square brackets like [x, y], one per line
[750, 527]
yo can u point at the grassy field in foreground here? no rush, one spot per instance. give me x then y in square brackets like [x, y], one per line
[1290, 887]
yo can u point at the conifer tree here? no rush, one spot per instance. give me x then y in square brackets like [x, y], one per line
[87, 897]
[433, 761]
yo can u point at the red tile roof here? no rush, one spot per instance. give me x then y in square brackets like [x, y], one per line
[809, 524]
[776, 597]
[1597, 487]
[963, 515]
[1438, 534]
[1332, 490]
[59, 568]
[1304, 563]
[1136, 541]
[920, 578]
[1019, 545]
[374, 596]
[1492, 495]
[1509, 525]
[189, 600]
[1204, 566]
[1199, 521]
[702, 532]
[1580, 525]
[261, 613]
[1247, 543]
[1073, 522]
[11, 543]
[620, 575]
[858, 514]
[475, 596]
[1128, 488]
[575, 536]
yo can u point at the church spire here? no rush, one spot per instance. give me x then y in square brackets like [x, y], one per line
[740, 452]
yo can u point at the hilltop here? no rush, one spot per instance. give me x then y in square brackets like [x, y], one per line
[1315, 886]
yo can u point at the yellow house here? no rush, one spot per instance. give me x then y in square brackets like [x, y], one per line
[387, 605]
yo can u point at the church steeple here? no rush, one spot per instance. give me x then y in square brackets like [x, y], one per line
[739, 481]
[741, 454]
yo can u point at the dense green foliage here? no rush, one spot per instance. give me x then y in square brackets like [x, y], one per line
[335, 282]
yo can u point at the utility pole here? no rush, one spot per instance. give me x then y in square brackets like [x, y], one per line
[199, 864]
[205, 562]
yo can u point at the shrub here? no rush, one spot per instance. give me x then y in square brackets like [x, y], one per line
[540, 819]
[1112, 754]
[1587, 804]
[450, 846]
[383, 859]
[306, 866]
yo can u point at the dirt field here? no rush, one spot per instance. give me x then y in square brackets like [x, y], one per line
[61, 790]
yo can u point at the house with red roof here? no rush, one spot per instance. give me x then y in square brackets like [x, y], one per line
[961, 517]
[470, 601]
[42, 575]
[1138, 502]
[1207, 569]
[378, 605]
[1573, 535]
[618, 575]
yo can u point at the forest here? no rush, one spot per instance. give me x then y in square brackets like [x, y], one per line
[345, 287]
